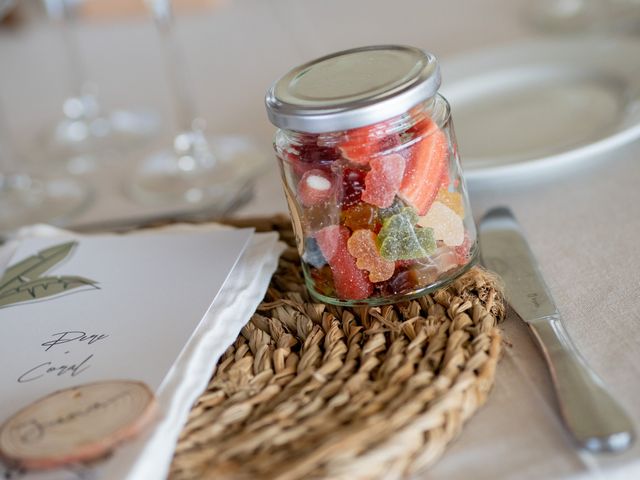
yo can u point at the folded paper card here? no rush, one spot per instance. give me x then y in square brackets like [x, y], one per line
[75, 310]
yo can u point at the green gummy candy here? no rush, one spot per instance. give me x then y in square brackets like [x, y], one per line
[426, 237]
[400, 240]
[401, 221]
[396, 207]
[408, 245]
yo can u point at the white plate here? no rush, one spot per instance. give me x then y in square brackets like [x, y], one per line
[527, 108]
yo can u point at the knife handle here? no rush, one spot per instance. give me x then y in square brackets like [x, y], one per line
[594, 418]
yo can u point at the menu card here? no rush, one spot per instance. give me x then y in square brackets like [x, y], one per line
[75, 311]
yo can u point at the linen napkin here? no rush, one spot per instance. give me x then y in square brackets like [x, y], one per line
[150, 454]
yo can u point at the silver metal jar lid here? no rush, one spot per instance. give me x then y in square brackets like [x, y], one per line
[352, 88]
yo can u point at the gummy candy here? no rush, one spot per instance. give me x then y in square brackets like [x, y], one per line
[399, 240]
[361, 215]
[362, 246]
[312, 254]
[311, 156]
[404, 264]
[323, 280]
[352, 186]
[350, 282]
[314, 153]
[444, 182]
[395, 207]
[314, 187]
[376, 213]
[445, 258]
[402, 282]
[383, 180]
[427, 164]
[426, 272]
[463, 251]
[364, 143]
[446, 224]
[422, 124]
[453, 200]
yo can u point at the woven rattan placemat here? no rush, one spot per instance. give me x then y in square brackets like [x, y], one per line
[316, 391]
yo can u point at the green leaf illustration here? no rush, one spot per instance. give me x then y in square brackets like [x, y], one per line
[32, 267]
[23, 282]
[42, 288]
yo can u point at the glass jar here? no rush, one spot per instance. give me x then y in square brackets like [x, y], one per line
[371, 175]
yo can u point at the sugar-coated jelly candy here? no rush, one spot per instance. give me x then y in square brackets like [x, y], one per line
[350, 282]
[446, 224]
[395, 207]
[383, 180]
[463, 252]
[312, 254]
[364, 143]
[305, 157]
[352, 186]
[445, 258]
[361, 215]
[427, 164]
[362, 245]
[453, 200]
[399, 239]
[314, 187]
[426, 271]
[403, 281]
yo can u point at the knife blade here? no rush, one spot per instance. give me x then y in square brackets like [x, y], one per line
[593, 417]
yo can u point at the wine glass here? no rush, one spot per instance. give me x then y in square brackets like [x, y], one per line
[27, 198]
[585, 16]
[197, 169]
[86, 130]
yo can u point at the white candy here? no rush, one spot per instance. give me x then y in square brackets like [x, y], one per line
[446, 224]
[318, 183]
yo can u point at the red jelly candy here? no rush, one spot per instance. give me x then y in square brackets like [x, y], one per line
[445, 258]
[311, 156]
[383, 180]
[352, 186]
[314, 187]
[350, 282]
[463, 251]
[427, 164]
[402, 282]
[362, 144]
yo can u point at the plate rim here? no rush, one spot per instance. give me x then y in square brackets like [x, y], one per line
[454, 68]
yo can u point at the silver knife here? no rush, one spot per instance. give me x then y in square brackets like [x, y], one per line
[593, 417]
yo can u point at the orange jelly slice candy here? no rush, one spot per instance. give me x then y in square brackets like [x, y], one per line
[427, 165]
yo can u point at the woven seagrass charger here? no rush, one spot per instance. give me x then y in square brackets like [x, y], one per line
[310, 390]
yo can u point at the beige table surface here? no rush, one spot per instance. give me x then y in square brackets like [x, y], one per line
[583, 226]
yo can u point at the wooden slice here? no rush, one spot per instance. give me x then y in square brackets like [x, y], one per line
[77, 424]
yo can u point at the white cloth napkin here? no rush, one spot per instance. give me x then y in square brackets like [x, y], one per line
[149, 456]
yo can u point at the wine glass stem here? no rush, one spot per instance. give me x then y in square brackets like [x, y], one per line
[63, 13]
[174, 63]
[68, 28]
[7, 156]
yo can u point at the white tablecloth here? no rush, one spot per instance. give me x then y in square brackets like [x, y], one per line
[583, 226]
